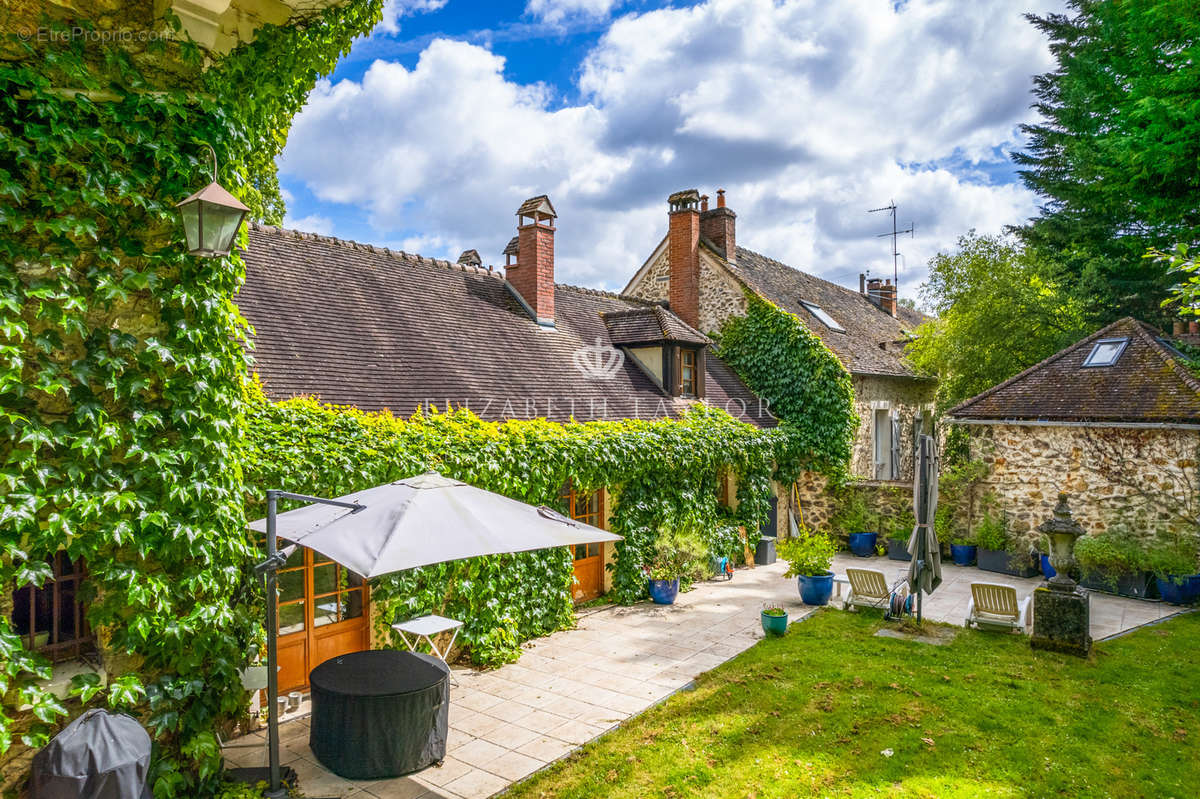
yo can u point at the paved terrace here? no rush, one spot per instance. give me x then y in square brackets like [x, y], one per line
[572, 686]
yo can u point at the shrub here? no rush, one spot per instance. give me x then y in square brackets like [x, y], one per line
[808, 554]
[677, 554]
[1115, 551]
[1172, 554]
[854, 515]
[992, 532]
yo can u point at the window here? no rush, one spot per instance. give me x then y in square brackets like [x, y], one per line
[1106, 352]
[51, 619]
[687, 373]
[584, 508]
[887, 445]
[824, 318]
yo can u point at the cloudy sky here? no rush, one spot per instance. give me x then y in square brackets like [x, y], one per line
[432, 131]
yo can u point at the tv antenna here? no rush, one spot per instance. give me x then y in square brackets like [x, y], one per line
[895, 234]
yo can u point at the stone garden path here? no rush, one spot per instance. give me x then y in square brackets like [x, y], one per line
[573, 685]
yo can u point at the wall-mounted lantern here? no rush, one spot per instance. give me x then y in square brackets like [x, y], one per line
[211, 218]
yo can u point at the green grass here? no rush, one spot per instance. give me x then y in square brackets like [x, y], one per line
[808, 714]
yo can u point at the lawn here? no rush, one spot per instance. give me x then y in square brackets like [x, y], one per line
[812, 713]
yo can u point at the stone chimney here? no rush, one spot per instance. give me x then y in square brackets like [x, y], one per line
[718, 226]
[683, 253]
[531, 276]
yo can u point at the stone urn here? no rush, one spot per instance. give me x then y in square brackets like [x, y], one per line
[1063, 531]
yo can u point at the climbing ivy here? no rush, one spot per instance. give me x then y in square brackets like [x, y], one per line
[661, 475]
[783, 361]
[122, 364]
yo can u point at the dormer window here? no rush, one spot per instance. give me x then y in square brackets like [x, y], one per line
[1106, 351]
[822, 317]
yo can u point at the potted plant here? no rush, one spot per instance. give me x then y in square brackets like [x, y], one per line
[809, 557]
[774, 620]
[1113, 561]
[996, 553]
[676, 555]
[856, 520]
[897, 545]
[1172, 558]
[963, 549]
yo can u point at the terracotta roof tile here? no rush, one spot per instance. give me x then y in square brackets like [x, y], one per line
[645, 325]
[351, 324]
[1150, 382]
[874, 340]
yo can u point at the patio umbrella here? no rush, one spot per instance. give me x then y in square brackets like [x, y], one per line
[396, 526]
[925, 569]
[424, 520]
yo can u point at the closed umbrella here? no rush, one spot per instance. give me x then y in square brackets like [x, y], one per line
[415, 522]
[423, 520]
[925, 569]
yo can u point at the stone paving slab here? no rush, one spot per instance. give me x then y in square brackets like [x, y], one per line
[574, 685]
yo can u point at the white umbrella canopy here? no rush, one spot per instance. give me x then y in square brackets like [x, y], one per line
[424, 520]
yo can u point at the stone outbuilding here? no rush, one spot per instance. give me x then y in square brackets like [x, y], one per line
[1113, 419]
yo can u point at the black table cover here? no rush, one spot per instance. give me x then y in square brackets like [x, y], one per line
[380, 713]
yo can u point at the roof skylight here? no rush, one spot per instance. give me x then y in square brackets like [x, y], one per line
[1106, 351]
[826, 319]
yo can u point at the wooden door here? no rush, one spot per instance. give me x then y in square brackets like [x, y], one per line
[322, 614]
[589, 558]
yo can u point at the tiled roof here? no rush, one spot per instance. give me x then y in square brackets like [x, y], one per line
[354, 324]
[646, 325]
[874, 340]
[1148, 383]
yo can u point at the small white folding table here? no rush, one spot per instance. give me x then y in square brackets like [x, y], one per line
[427, 627]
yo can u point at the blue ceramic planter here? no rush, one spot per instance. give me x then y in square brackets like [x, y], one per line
[1179, 589]
[862, 544]
[816, 590]
[774, 625]
[1048, 571]
[963, 554]
[663, 592]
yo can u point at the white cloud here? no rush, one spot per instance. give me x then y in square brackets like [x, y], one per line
[555, 12]
[313, 223]
[807, 112]
[393, 10]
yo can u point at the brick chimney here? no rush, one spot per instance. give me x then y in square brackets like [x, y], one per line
[531, 276]
[718, 224]
[881, 293]
[683, 252]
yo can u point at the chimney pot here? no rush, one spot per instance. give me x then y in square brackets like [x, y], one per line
[703, 202]
[862, 283]
[720, 198]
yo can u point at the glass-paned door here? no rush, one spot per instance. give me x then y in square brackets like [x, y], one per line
[589, 558]
[322, 614]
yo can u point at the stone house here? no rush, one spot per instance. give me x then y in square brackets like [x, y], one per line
[404, 332]
[703, 275]
[1113, 420]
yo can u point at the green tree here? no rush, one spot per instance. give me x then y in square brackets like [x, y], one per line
[1116, 156]
[997, 312]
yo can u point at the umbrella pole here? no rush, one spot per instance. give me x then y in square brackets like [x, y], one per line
[275, 789]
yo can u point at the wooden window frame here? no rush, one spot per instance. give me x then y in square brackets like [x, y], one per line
[55, 649]
[593, 516]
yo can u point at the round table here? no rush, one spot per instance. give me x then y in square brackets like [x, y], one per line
[379, 713]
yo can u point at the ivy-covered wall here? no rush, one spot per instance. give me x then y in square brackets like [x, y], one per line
[122, 367]
[662, 475]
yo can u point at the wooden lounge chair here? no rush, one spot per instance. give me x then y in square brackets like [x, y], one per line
[869, 589]
[995, 606]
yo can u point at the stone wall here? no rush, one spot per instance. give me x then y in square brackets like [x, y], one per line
[1143, 477]
[909, 398]
[721, 296]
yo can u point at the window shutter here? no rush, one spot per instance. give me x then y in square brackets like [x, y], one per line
[676, 373]
[700, 391]
[895, 447]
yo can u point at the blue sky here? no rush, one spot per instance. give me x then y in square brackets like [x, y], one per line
[432, 131]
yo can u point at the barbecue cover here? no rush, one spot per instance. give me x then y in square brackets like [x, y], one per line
[380, 713]
[99, 755]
